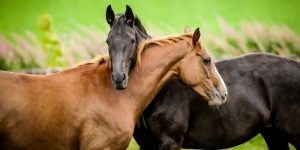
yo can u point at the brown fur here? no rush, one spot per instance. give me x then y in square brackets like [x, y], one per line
[160, 42]
[79, 109]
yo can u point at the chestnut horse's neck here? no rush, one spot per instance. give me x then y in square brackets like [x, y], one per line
[84, 101]
[156, 67]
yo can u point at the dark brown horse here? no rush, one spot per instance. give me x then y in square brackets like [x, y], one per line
[128, 32]
[264, 97]
[249, 114]
[79, 109]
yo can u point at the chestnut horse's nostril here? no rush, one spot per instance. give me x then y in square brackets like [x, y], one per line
[224, 96]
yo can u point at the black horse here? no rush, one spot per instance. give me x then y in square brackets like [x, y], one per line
[264, 97]
[126, 32]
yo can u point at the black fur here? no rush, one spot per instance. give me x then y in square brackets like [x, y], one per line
[264, 97]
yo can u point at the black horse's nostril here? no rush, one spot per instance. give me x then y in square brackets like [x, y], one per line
[225, 94]
[114, 77]
[124, 76]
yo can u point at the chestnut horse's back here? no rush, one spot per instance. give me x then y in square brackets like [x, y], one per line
[29, 113]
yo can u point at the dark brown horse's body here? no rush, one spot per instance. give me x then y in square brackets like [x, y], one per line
[177, 115]
[80, 109]
[264, 97]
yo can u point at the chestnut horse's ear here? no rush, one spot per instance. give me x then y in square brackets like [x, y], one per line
[186, 29]
[110, 15]
[129, 15]
[196, 36]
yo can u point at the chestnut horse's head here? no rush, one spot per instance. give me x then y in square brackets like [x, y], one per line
[126, 32]
[198, 71]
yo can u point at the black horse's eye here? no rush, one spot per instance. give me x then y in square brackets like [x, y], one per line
[107, 42]
[207, 61]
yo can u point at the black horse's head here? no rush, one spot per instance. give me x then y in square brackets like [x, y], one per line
[126, 32]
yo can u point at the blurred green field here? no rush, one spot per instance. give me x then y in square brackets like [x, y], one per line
[159, 17]
[170, 16]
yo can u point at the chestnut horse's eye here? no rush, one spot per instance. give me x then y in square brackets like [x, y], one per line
[207, 61]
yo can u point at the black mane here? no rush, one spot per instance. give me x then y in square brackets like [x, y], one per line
[137, 23]
[120, 20]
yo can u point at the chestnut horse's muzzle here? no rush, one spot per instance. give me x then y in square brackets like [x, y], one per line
[218, 97]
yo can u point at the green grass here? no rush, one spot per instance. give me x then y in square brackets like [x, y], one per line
[169, 16]
[257, 143]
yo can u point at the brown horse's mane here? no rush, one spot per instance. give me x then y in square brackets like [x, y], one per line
[98, 61]
[165, 41]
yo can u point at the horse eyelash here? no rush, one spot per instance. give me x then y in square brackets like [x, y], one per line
[207, 61]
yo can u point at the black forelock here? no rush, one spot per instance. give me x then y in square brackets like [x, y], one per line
[119, 21]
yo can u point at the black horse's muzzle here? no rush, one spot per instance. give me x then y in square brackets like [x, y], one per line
[120, 80]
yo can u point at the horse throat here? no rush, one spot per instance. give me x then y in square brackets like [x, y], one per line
[159, 65]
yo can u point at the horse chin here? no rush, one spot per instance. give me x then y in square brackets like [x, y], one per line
[216, 98]
[215, 102]
[211, 97]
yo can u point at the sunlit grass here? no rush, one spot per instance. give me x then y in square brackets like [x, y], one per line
[257, 143]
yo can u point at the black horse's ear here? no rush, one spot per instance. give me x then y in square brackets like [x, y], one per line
[196, 36]
[110, 15]
[129, 15]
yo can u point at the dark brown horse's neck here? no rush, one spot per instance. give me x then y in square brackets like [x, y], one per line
[158, 65]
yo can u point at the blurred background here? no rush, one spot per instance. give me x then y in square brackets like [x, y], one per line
[40, 34]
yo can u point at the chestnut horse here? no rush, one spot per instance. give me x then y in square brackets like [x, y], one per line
[79, 109]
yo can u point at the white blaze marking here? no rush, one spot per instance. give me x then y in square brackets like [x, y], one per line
[222, 82]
